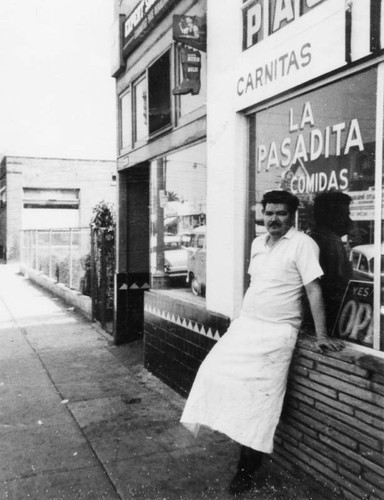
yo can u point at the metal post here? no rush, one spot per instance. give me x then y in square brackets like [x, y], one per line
[22, 246]
[70, 257]
[93, 273]
[37, 250]
[103, 279]
[50, 254]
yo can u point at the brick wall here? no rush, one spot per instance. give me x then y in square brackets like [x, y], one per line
[178, 334]
[332, 425]
[93, 179]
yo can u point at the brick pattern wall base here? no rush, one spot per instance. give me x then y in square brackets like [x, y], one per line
[332, 425]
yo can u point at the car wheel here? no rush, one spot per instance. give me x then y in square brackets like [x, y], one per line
[195, 287]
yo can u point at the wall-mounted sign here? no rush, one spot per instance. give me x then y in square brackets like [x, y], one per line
[191, 31]
[190, 60]
[355, 320]
[117, 61]
[363, 205]
[263, 18]
[309, 46]
[141, 20]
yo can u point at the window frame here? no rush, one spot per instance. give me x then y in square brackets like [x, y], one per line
[169, 125]
[378, 183]
[122, 147]
[142, 140]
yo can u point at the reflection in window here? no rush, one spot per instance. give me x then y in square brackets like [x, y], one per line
[319, 142]
[178, 217]
[126, 121]
[141, 109]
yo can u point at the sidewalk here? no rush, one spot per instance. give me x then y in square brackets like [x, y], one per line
[82, 419]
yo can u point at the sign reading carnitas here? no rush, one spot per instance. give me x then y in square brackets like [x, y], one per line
[285, 46]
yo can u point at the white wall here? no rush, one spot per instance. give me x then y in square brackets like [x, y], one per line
[227, 160]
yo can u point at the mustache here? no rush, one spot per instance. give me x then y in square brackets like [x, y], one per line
[274, 224]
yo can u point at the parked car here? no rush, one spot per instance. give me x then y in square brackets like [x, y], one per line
[362, 259]
[175, 257]
[196, 262]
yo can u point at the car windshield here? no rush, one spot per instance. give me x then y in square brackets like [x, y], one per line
[172, 245]
[372, 266]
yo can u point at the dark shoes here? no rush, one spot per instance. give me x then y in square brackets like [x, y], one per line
[250, 461]
[241, 483]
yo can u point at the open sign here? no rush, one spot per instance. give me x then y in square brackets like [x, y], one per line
[355, 319]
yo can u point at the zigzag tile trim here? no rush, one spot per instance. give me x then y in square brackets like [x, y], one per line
[188, 324]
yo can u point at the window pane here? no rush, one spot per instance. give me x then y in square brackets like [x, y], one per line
[319, 142]
[178, 217]
[141, 104]
[126, 121]
[159, 88]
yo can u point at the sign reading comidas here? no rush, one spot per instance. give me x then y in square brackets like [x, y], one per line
[305, 143]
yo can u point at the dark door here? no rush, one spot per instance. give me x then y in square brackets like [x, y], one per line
[132, 284]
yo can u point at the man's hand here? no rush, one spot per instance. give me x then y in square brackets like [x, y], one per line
[326, 343]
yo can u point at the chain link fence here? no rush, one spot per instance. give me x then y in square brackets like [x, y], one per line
[82, 259]
[63, 255]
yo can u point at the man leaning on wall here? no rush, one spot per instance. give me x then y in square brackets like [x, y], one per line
[240, 386]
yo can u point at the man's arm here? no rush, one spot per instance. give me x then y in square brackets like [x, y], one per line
[316, 303]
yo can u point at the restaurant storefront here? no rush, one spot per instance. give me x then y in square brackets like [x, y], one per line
[306, 108]
[295, 93]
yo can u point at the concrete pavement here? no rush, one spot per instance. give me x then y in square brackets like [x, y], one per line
[82, 419]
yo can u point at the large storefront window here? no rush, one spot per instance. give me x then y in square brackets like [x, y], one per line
[178, 217]
[324, 141]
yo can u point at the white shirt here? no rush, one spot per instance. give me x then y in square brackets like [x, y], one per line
[278, 275]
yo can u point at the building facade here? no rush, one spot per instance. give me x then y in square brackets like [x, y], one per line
[49, 193]
[293, 98]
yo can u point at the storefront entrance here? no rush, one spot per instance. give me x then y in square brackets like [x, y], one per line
[134, 279]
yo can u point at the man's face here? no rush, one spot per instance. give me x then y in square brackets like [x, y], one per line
[277, 219]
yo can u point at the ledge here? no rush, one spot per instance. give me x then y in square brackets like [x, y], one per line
[371, 361]
[81, 302]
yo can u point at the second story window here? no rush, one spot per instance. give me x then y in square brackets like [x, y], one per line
[126, 121]
[141, 109]
[159, 92]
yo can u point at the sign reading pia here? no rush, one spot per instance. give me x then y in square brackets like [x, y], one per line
[262, 18]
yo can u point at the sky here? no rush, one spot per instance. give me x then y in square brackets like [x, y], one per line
[57, 96]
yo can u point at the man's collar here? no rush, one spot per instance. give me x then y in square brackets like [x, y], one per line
[288, 235]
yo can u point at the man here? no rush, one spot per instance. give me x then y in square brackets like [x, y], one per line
[332, 221]
[189, 29]
[240, 386]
